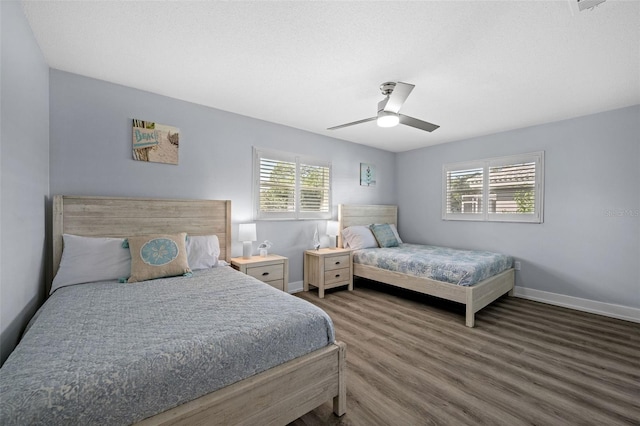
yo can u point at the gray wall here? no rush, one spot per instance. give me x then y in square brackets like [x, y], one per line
[589, 243]
[91, 155]
[24, 174]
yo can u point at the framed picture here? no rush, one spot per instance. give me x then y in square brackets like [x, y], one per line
[155, 142]
[367, 174]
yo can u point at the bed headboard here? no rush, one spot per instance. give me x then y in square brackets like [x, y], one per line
[123, 217]
[359, 214]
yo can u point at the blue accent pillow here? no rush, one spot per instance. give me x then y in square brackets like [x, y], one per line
[158, 256]
[159, 251]
[384, 235]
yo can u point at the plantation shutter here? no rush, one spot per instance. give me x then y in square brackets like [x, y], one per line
[291, 187]
[512, 188]
[504, 189]
[315, 189]
[277, 185]
[464, 190]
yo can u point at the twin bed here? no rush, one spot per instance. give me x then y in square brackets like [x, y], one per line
[218, 347]
[476, 284]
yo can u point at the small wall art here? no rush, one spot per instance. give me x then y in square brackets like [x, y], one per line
[157, 143]
[367, 174]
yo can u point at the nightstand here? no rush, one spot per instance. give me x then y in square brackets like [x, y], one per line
[272, 269]
[328, 268]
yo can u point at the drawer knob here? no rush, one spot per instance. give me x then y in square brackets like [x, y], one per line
[337, 275]
[338, 262]
[264, 274]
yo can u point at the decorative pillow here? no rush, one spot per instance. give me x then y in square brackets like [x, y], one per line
[358, 237]
[202, 251]
[395, 232]
[384, 235]
[158, 256]
[87, 259]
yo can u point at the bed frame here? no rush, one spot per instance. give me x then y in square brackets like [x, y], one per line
[276, 396]
[475, 297]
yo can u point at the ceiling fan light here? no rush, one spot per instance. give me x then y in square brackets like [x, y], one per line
[387, 119]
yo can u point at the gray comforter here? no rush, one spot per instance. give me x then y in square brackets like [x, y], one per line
[110, 353]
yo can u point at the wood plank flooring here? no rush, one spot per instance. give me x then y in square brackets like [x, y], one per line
[412, 361]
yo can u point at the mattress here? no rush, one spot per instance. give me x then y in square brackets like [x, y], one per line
[109, 353]
[460, 267]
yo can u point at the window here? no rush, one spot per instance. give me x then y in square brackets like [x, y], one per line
[505, 189]
[288, 186]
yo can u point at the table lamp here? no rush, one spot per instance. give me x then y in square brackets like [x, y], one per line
[333, 231]
[247, 234]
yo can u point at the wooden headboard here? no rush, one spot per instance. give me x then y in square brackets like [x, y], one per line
[360, 214]
[123, 217]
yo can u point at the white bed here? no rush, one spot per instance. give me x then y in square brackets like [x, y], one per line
[275, 396]
[474, 297]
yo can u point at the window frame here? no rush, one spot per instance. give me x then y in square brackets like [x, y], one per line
[486, 164]
[299, 161]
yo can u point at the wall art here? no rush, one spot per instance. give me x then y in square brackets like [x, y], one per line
[367, 174]
[153, 142]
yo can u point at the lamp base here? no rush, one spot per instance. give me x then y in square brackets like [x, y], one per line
[247, 248]
[333, 242]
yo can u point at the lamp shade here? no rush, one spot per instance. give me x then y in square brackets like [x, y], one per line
[332, 227]
[247, 232]
[387, 119]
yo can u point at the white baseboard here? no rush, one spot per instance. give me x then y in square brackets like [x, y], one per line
[295, 287]
[607, 309]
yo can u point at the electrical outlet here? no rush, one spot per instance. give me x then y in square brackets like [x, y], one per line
[517, 265]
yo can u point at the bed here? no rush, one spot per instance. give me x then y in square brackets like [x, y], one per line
[474, 297]
[179, 340]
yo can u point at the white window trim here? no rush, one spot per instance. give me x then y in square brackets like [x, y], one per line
[485, 164]
[298, 160]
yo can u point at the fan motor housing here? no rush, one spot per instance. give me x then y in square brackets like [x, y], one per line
[387, 88]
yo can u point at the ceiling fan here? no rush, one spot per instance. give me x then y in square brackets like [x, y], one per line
[388, 116]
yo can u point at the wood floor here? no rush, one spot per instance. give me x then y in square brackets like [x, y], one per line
[412, 361]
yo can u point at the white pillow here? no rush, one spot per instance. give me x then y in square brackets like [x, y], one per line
[202, 251]
[87, 259]
[358, 237]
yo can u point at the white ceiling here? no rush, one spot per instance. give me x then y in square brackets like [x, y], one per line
[479, 67]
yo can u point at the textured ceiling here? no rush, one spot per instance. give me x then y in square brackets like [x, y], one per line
[478, 67]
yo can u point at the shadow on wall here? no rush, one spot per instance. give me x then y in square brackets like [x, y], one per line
[10, 337]
[12, 334]
[48, 247]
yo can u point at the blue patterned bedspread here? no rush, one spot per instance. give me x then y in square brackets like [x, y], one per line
[113, 354]
[461, 267]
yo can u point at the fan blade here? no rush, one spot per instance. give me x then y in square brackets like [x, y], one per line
[351, 124]
[398, 97]
[418, 124]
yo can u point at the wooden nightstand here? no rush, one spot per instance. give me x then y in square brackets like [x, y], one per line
[328, 268]
[272, 269]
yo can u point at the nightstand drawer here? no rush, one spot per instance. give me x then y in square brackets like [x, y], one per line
[267, 273]
[336, 262]
[337, 275]
[271, 269]
[279, 284]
